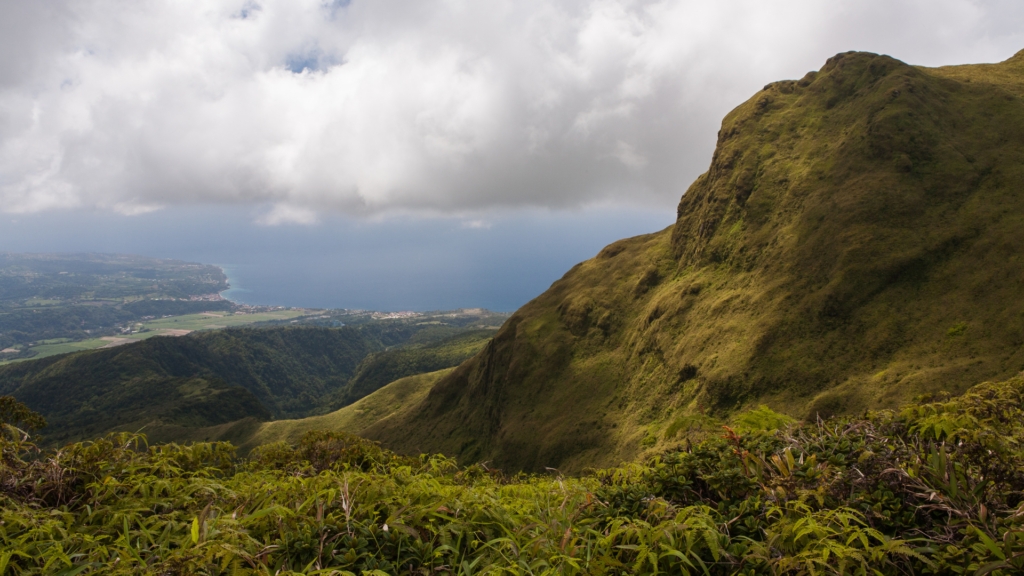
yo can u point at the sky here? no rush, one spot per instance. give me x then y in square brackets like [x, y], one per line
[523, 134]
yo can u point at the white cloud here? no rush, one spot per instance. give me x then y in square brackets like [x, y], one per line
[134, 209]
[285, 214]
[476, 224]
[434, 107]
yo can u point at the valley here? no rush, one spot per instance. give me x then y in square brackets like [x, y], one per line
[284, 369]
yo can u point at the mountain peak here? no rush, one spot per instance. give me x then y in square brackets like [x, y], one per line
[855, 242]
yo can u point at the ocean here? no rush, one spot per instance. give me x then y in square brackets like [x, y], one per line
[498, 263]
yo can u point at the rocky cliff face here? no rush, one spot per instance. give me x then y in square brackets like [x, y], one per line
[856, 241]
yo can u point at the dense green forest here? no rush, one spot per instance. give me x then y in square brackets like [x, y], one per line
[28, 325]
[264, 373]
[933, 488]
[382, 368]
[289, 371]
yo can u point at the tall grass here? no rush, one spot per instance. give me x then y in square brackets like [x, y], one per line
[937, 488]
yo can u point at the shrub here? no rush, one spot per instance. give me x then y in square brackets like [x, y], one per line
[763, 418]
[935, 488]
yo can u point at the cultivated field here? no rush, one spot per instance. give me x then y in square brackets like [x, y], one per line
[173, 326]
[216, 320]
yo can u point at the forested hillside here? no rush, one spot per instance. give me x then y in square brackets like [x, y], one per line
[212, 378]
[382, 368]
[289, 371]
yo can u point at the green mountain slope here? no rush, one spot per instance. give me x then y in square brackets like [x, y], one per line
[390, 401]
[380, 369]
[174, 385]
[282, 372]
[856, 241]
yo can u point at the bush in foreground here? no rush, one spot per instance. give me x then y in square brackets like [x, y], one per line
[937, 488]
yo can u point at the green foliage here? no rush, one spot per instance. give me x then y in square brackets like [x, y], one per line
[396, 397]
[762, 418]
[321, 450]
[176, 386]
[199, 380]
[838, 497]
[876, 495]
[692, 424]
[20, 326]
[16, 414]
[958, 329]
[380, 369]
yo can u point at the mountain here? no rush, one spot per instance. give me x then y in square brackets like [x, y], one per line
[379, 369]
[176, 388]
[855, 242]
[390, 401]
[270, 373]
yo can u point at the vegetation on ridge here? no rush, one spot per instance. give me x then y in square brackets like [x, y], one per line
[278, 372]
[935, 488]
[855, 243]
[380, 369]
[179, 388]
[390, 401]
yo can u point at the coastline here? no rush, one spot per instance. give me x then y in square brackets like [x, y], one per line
[231, 293]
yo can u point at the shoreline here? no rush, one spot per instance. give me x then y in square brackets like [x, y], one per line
[231, 285]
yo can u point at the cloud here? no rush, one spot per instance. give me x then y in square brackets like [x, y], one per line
[376, 107]
[134, 208]
[285, 214]
[476, 224]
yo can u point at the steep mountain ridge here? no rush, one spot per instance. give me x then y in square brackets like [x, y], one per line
[855, 242]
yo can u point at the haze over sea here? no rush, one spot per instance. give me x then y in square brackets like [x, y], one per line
[499, 263]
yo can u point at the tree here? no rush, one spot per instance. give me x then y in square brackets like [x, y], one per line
[17, 415]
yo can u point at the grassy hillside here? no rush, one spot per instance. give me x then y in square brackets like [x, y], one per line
[390, 401]
[381, 368]
[855, 242]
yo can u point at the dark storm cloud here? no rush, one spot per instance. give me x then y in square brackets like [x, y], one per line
[303, 107]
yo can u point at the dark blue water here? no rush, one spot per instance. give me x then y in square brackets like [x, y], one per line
[396, 264]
